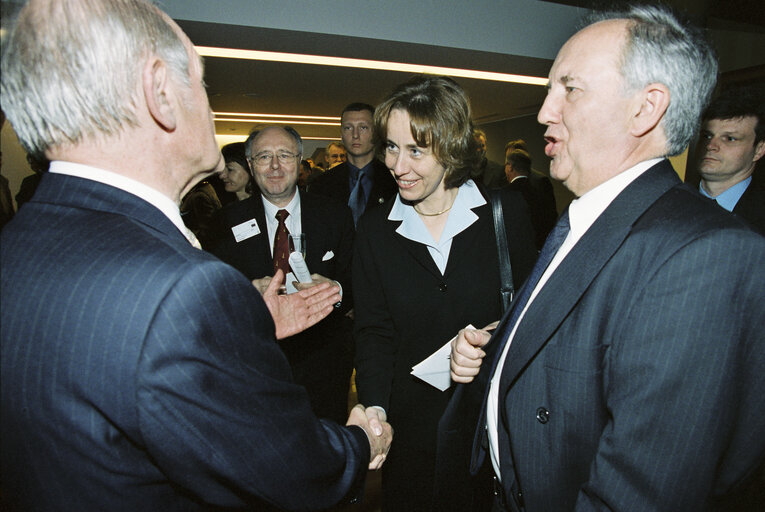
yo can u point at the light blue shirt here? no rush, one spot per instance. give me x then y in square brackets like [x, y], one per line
[461, 216]
[729, 198]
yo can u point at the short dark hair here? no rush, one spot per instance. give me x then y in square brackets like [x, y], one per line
[740, 101]
[439, 118]
[516, 144]
[234, 152]
[520, 160]
[358, 107]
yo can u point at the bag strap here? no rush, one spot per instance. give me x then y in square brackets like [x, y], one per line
[506, 289]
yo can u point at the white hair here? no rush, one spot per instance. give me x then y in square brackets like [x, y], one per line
[71, 68]
[661, 49]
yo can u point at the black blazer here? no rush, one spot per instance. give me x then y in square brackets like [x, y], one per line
[751, 206]
[406, 309]
[538, 193]
[334, 183]
[323, 353]
[635, 380]
[139, 373]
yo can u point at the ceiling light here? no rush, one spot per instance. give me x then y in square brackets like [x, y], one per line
[233, 53]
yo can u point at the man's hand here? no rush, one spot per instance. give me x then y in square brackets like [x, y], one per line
[297, 312]
[467, 356]
[262, 284]
[315, 279]
[379, 432]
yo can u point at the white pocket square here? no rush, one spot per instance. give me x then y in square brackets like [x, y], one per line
[328, 256]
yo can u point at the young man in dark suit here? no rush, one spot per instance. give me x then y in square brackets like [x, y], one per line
[627, 375]
[321, 357]
[139, 372]
[363, 181]
[733, 142]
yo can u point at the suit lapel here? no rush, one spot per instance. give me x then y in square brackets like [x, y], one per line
[581, 266]
[313, 225]
[256, 248]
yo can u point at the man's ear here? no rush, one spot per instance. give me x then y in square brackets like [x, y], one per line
[654, 101]
[157, 90]
[759, 150]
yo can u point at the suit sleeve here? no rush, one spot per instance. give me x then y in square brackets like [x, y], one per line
[219, 412]
[684, 382]
[373, 328]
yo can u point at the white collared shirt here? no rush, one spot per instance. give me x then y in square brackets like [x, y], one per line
[292, 221]
[461, 216]
[152, 196]
[582, 212]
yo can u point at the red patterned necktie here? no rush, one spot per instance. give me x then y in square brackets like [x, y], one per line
[282, 244]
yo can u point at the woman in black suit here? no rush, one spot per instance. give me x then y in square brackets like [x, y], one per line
[425, 266]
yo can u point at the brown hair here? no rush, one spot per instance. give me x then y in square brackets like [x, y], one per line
[440, 119]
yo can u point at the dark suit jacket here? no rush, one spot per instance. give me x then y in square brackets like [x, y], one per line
[406, 309]
[322, 356]
[139, 373]
[634, 381]
[334, 183]
[751, 206]
[538, 193]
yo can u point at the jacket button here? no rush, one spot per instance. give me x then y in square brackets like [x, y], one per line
[543, 415]
[442, 287]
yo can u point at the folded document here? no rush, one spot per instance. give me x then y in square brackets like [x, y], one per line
[435, 368]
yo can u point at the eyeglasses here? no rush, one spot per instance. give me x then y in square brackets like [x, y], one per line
[264, 159]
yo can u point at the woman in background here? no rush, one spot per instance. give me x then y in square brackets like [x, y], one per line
[425, 266]
[236, 175]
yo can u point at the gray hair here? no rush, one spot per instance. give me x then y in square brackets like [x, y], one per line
[254, 135]
[71, 68]
[662, 49]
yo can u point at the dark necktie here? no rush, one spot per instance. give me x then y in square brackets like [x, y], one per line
[357, 199]
[282, 243]
[549, 249]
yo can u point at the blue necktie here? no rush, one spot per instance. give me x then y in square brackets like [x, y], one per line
[357, 200]
[549, 249]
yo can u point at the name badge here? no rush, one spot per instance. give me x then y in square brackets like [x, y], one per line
[245, 230]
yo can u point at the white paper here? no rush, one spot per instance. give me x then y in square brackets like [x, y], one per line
[435, 368]
[245, 230]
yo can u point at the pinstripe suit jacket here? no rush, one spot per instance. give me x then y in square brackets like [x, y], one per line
[636, 379]
[140, 373]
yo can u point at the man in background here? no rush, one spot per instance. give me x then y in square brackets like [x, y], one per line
[363, 181]
[732, 142]
[321, 357]
[335, 155]
[536, 189]
[138, 372]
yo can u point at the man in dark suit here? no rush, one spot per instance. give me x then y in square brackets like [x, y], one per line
[138, 372]
[627, 374]
[491, 173]
[536, 189]
[321, 357]
[363, 181]
[733, 141]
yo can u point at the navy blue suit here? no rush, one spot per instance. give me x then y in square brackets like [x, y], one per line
[635, 380]
[139, 373]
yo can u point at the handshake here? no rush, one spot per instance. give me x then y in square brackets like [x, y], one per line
[379, 432]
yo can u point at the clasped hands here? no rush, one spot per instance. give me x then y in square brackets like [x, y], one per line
[379, 432]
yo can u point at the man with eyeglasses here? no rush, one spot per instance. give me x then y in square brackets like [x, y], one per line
[256, 242]
[335, 155]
